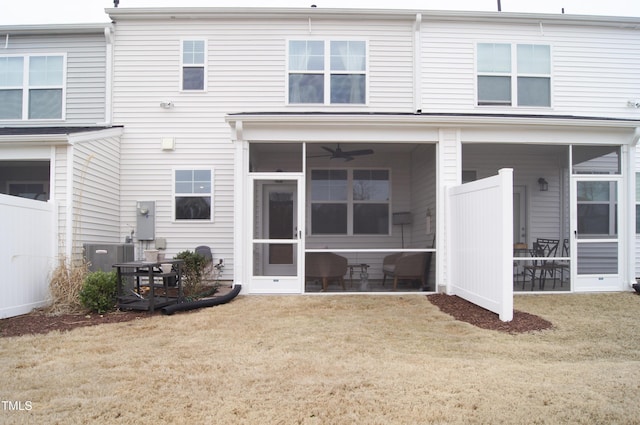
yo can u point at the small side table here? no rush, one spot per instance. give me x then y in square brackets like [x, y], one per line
[364, 275]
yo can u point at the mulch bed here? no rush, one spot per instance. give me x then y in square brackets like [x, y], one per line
[40, 322]
[465, 311]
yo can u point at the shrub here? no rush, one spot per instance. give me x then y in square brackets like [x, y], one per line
[192, 271]
[100, 291]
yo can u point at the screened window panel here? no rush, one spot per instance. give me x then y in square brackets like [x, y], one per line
[193, 52]
[306, 55]
[534, 59]
[494, 90]
[494, 58]
[329, 219]
[596, 159]
[329, 185]
[594, 191]
[306, 88]
[10, 104]
[593, 219]
[11, 71]
[371, 185]
[349, 88]
[348, 56]
[193, 208]
[45, 104]
[534, 91]
[371, 219]
[45, 71]
[193, 78]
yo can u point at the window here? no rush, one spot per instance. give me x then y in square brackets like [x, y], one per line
[193, 193]
[350, 202]
[500, 77]
[193, 65]
[31, 87]
[327, 72]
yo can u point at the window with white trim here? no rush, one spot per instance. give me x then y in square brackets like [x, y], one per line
[333, 72]
[32, 87]
[193, 194]
[350, 202]
[193, 65]
[520, 79]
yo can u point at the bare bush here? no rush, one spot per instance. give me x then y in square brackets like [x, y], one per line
[65, 285]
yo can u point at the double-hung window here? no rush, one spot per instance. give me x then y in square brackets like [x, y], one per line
[350, 202]
[193, 65]
[518, 75]
[193, 194]
[31, 87]
[327, 72]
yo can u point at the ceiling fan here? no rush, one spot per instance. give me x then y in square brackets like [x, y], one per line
[338, 153]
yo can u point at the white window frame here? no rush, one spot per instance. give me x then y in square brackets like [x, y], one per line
[26, 87]
[190, 65]
[350, 201]
[514, 74]
[327, 72]
[175, 194]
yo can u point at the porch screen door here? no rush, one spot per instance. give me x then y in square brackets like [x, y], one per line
[276, 236]
[597, 239]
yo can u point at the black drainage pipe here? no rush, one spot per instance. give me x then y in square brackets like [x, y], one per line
[209, 302]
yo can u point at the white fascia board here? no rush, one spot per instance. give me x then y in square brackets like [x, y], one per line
[433, 120]
[124, 13]
[54, 29]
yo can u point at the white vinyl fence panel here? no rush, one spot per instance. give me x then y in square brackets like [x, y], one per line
[481, 243]
[26, 254]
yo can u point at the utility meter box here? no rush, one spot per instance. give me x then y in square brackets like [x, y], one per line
[145, 220]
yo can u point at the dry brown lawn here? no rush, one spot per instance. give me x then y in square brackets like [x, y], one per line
[333, 360]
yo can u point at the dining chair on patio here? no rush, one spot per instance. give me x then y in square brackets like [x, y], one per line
[542, 266]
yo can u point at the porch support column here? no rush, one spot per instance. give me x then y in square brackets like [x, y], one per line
[630, 239]
[241, 267]
[449, 174]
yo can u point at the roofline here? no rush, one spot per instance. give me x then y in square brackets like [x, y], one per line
[55, 28]
[435, 119]
[125, 13]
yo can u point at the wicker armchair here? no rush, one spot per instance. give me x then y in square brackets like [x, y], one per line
[325, 266]
[404, 266]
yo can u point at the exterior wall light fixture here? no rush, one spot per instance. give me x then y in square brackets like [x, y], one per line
[544, 185]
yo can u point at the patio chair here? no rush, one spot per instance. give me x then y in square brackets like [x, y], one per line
[404, 266]
[205, 251]
[325, 266]
[543, 267]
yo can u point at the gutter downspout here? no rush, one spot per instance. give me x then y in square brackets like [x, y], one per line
[631, 208]
[68, 248]
[417, 64]
[108, 95]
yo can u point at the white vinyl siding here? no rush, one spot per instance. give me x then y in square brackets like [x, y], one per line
[96, 192]
[593, 69]
[32, 87]
[85, 81]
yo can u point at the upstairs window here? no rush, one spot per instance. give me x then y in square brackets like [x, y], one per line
[193, 65]
[327, 72]
[31, 87]
[193, 194]
[522, 78]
